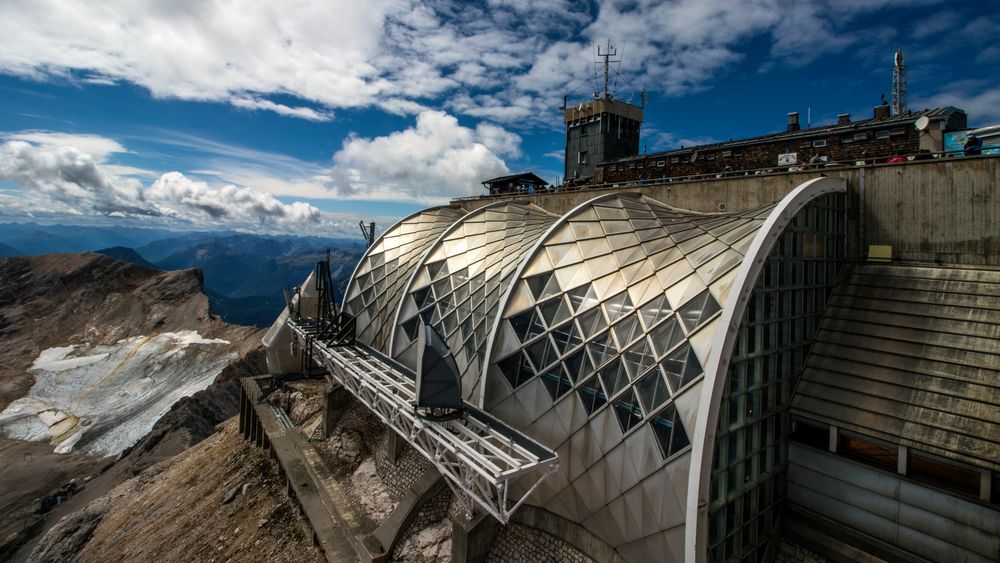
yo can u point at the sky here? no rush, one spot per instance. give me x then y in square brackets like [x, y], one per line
[304, 117]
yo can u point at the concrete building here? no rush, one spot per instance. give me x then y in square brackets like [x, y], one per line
[878, 138]
[709, 383]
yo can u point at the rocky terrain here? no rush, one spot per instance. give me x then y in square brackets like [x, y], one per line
[85, 331]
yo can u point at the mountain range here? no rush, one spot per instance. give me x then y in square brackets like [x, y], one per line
[244, 275]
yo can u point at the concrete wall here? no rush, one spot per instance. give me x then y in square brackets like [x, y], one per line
[918, 519]
[946, 211]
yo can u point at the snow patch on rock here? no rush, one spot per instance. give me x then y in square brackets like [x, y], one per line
[103, 399]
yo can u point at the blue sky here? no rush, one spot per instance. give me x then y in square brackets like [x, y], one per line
[303, 117]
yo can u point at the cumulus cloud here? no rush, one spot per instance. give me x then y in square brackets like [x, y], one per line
[432, 161]
[60, 179]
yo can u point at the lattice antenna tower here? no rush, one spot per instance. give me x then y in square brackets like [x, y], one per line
[609, 52]
[899, 84]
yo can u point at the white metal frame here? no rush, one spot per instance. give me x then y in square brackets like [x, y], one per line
[477, 453]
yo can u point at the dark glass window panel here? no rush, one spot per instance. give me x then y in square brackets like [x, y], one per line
[449, 323]
[367, 295]
[654, 311]
[536, 284]
[868, 451]
[527, 325]
[554, 311]
[437, 269]
[697, 311]
[663, 426]
[356, 305]
[626, 330]
[428, 316]
[410, 328]
[811, 434]
[423, 297]
[515, 369]
[557, 383]
[618, 306]
[627, 410]
[614, 377]
[638, 359]
[461, 292]
[653, 391]
[582, 297]
[442, 288]
[601, 349]
[460, 277]
[665, 336]
[682, 366]
[566, 337]
[478, 281]
[578, 365]
[541, 353]
[592, 322]
[591, 395]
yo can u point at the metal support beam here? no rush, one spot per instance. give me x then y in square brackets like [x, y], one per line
[479, 454]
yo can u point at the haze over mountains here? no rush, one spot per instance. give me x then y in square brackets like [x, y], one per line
[244, 274]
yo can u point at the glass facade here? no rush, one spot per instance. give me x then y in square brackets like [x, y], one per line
[458, 287]
[749, 479]
[377, 285]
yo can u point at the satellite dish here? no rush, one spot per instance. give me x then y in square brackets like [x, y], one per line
[921, 123]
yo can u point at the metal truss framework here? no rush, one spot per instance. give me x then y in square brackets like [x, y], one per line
[478, 454]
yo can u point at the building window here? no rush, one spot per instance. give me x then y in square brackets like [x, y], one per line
[819, 143]
[882, 135]
[897, 132]
[660, 164]
[811, 434]
[860, 136]
[944, 474]
[631, 166]
[640, 165]
[620, 168]
[583, 157]
[725, 154]
[675, 160]
[847, 140]
[868, 451]
[710, 156]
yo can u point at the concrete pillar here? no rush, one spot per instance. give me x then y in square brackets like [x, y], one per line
[335, 401]
[391, 447]
[471, 540]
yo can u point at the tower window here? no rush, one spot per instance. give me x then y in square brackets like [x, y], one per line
[583, 157]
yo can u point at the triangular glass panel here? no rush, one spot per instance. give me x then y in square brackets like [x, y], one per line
[437, 269]
[541, 353]
[681, 367]
[515, 369]
[626, 330]
[556, 382]
[627, 410]
[697, 311]
[578, 365]
[526, 325]
[566, 337]
[638, 359]
[591, 395]
[614, 377]
[554, 311]
[618, 306]
[665, 336]
[653, 391]
[582, 297]
[592, 322]
[537, 283]
[601, 349]
[652, 312]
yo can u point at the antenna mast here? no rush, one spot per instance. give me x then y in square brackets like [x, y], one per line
[607, 54]
[899, 84]
[368, 232]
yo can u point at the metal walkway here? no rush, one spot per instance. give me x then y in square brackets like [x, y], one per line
[477, 453]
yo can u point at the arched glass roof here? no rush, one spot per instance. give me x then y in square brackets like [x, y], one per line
[611, 311]
[377, 283]
[458, 286]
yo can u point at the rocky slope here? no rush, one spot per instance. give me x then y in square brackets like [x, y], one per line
[101, 349]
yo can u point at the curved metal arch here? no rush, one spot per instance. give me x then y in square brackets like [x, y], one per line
[430, 249]
[354, 273]
[539, 244]
[717, 368]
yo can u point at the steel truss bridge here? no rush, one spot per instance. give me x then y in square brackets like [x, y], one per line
[477, 453]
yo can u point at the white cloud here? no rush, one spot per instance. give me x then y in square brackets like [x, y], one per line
[981, 101]
[60, 179]
[255, 103]
[509, 61]
[432, 161]
[96, 146]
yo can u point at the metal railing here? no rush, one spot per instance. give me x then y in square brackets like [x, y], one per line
[478, 454]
